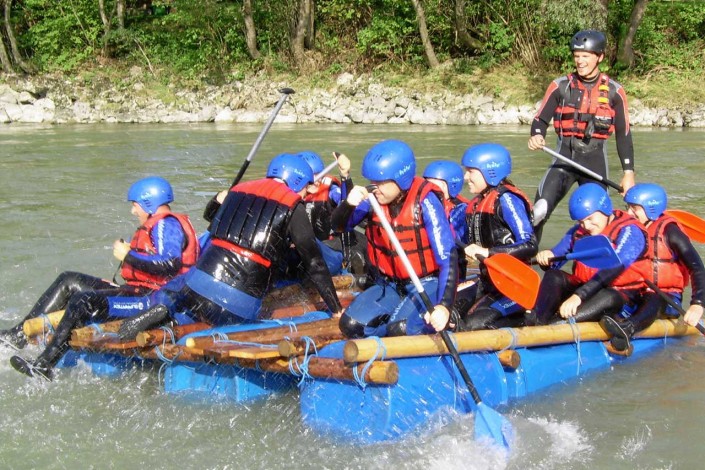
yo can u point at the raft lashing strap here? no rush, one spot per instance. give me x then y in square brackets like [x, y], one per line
[360, 377]
[576, 337]
[300, 369]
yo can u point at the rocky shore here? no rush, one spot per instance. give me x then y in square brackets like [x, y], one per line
[349, 100]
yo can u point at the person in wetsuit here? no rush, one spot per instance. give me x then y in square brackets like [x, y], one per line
[250, 233]
[164, 245]
[344, 250]
[499, 221]
[588, 294]
[672, 261]
[586, 107]
[390, 306]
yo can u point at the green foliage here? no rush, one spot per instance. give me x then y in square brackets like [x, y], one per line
[60, 35]
[205, 39]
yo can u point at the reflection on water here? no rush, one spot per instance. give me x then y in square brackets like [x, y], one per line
[62, 197]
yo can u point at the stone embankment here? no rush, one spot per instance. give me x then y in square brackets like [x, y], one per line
[350, 100]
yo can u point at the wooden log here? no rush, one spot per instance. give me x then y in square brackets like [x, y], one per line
[362, 350]
[89, 332]
[298, 346]
[509, 358]
[39, 325]
[159, 335]
[379, 372]
[297, 310]
[269, 335]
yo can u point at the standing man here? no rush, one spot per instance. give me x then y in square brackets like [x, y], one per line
[586, 107]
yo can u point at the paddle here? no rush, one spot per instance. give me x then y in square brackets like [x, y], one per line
[669, 300]
[587, 171]
[693, 226]
[513, 278]
[488, 423]
[285, 92]
[324, 171]
[595, 251]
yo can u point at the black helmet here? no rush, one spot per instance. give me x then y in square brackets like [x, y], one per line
[588, 40]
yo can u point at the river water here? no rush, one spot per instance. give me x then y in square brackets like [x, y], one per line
[62, 199]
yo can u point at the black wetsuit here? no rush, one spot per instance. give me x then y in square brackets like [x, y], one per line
[560, 177]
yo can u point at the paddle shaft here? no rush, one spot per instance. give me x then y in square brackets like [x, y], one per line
[426, 300]
[285, 92]
[324, 172]
[669, 300]
[580, 167]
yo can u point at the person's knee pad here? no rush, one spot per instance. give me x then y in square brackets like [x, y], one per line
[398, 328]
[350, 327]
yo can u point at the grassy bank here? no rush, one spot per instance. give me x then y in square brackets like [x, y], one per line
[513, 84]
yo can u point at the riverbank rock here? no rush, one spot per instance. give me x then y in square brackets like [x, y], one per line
[351, 99]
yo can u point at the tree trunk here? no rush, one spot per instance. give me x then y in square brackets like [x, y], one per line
[16, 56]
[106, 27]
[121, 14]
[423, 31]
[299, 36]
[250, 32]
[4, 58]
[461, 28]
[625, 55]
[310, 27]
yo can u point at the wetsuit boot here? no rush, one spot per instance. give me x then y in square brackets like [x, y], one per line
[151, 318]
[14, 337]
[621, 332]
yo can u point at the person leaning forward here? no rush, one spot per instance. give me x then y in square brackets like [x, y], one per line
[586, 107]
[250, 233]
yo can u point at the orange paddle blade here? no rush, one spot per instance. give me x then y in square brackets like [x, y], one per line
[514, 278]
[693, 226]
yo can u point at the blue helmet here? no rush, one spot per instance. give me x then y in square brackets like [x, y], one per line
[493, 161]
[150, 193]
[450, 172]
[588, 199]
[313, 159]
[650, 196]
[292, 169]
[390, 160]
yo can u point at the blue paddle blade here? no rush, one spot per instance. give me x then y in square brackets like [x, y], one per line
[596, 251]
[492, 426]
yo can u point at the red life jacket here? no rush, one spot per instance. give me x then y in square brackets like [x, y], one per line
[142, 243]
[584, 111]
[632, 277]
[664, 269]
[486, 227]
[410, 230]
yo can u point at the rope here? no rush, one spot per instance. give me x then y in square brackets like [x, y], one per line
[303, 366]
[576, 337]
[165, 362]
[360, 377]
[168, 331]
[513, 343]
[47, 330]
